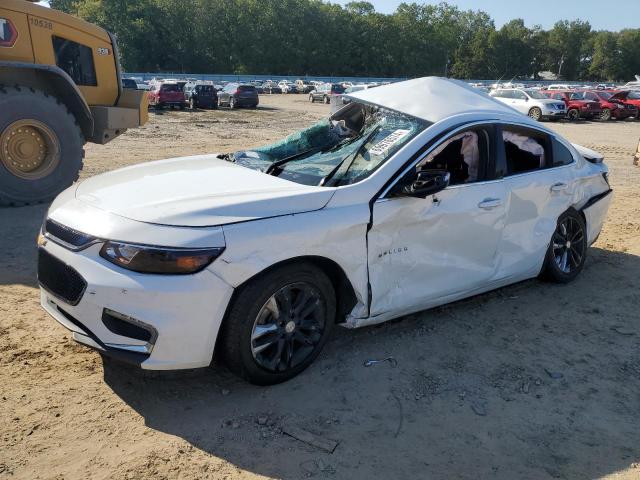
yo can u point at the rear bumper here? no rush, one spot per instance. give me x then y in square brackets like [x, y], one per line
[184, 313]
[246, 102]
[595, 212]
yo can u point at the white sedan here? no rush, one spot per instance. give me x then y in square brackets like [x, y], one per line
[531, 102]
[413, 195]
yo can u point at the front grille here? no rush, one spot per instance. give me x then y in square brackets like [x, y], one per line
[66, 235]
[60, 279]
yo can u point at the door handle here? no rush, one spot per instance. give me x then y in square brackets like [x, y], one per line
[558, 187]
[489, 203]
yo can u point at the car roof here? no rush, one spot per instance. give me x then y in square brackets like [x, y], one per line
[432, 98]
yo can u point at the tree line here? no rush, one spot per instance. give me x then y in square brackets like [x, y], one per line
[314, 37]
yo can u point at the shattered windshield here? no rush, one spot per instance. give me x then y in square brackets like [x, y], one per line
[340, 150]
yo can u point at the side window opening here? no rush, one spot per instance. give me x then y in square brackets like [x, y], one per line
[525, 151]
[76, 60]
[464, 156]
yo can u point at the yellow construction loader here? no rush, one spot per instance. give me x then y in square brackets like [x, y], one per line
[60, 87]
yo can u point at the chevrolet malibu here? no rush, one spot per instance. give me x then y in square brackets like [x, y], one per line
[396, 203]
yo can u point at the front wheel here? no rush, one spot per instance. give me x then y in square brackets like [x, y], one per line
[535, 113]
[605, 115]
[567, 250]
[311, 98]
[232, 103]
[573, 115]
[278, 324]
[192, 104]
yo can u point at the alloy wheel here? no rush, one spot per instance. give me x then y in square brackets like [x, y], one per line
[288, 328]
[568, 245]
[535, 113]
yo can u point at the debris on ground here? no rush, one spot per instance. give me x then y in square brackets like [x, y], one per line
[310, 438]
[392, 361]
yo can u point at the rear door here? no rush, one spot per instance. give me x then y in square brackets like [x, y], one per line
[422, 251]
[539, 182]
[520, 101]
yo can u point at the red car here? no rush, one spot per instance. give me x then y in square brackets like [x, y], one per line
[629, 97]
[167, 94]
[611, 107]
[576, 107]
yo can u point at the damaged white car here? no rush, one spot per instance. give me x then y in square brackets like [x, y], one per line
[399, 202]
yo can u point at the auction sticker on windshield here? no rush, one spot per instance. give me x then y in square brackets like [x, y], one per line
[387, 142]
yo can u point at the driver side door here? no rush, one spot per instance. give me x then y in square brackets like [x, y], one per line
[424, 252]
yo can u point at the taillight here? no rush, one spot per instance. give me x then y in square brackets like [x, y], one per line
[237, 92]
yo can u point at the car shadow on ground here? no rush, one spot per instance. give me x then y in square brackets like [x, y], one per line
[18, 248]
[534, 380]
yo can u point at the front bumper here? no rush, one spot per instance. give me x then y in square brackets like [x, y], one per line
[185, 311]
[553, 113]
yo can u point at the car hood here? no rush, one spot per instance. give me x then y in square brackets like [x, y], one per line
[196, 192]
[548, 101]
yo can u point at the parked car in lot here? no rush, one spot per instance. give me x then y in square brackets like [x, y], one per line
[287, 87]
[531, 102]
[271, 87]
[414, 195]
[611, 108]
[235, 95]
[325, 91]
[166, 94]
[129, 83]
[258, 85]
[629, 97]
[201, 96]
[304, 86]
[577, 107]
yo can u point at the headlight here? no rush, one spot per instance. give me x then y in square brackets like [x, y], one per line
[172, 261]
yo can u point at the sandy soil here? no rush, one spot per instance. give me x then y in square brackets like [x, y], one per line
[530, 381]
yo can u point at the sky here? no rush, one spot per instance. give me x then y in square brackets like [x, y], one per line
[602, 15]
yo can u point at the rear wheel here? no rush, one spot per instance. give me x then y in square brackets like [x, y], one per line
[40, 146]
[278, 324]
[573, 114]
[567, 250]
[605, 115]
[535, 113]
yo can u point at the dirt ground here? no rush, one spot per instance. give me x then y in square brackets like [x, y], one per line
[531, 381]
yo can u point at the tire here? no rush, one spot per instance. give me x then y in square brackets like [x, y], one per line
[311, 99]
[535, 113]
[56, 130]
[325, 100]
[567, 249]
[605, 115]
[275, 364]
[232, 103]
[192, 104]
[219, 102]
[573, 115]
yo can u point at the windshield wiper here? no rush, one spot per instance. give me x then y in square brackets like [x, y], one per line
[324, 149]
[278, 163]
[352, 159]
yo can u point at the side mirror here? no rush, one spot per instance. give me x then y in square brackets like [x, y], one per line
[426, 182]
